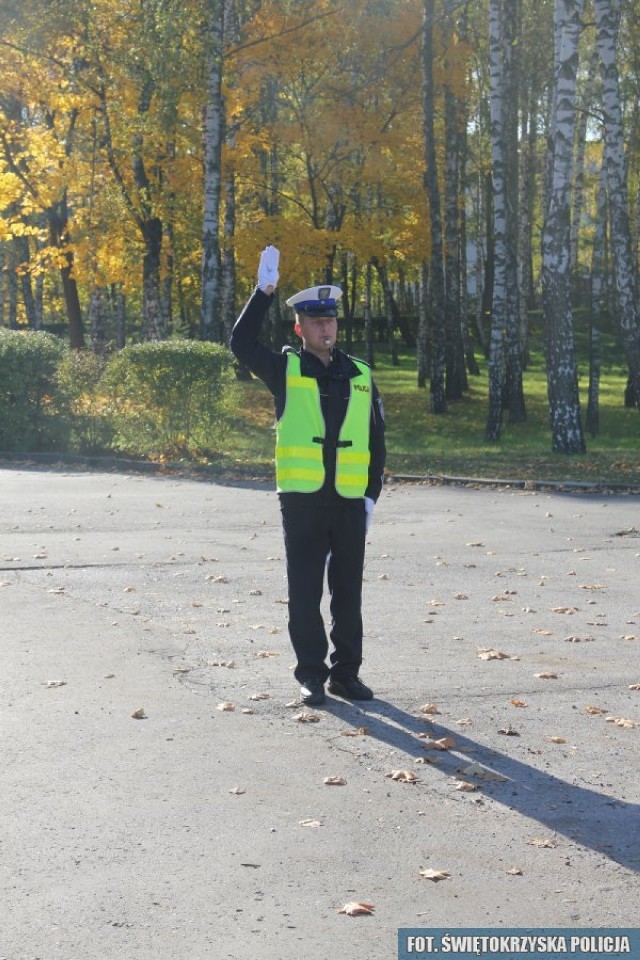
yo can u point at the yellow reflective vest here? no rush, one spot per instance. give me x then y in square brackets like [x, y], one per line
[300, 434]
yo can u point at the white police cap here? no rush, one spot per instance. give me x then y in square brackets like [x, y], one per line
[320, 301]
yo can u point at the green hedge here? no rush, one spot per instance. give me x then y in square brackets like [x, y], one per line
[154, 399]
[32, 407]
[170, 397]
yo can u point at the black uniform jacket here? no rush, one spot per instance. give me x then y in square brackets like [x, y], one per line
[333, 382]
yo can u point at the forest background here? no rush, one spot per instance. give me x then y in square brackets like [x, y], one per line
[468, 172]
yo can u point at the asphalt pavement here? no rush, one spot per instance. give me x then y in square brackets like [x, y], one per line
[165, 795]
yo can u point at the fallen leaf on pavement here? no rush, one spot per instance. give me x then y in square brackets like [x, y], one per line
[444, 743]
[305, 717]
[260, 696]
[357, 909]
[55, 683]
[238, 791]
[547, 676]
[595, 711]
[227, 707]
[434, 875]
[514, 872]
[247, 710]
[139, 714]
[509, 731]
[519, 703]
[621, 722]
[264, 654]
[465, 786]
[309, 823]
[334, 781]
[556, 739]
[549, 843]
[568, 610]
[429, 708]
[486, 653]
[634, 686]
[403, 776]
[360, 732]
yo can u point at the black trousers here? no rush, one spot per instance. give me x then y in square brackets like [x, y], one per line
[316, 531]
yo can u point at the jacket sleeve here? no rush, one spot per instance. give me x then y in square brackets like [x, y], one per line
[248, 349]
[377, 448]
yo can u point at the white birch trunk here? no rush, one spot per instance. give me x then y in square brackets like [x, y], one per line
[625, 274]
[499, 306]
[562, 377]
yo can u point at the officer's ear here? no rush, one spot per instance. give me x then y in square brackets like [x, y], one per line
[298, 328]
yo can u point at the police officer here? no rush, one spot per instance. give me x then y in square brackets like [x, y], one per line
[330, 455]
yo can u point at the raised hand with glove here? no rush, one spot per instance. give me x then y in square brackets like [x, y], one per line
[268, 275]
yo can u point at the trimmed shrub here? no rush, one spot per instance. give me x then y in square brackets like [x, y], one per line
[169, 398]
[89, 407]
[32, 408]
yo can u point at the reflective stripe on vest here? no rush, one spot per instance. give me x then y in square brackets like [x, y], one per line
[301, 430]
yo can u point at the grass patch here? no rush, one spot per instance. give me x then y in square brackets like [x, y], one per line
[421, 443]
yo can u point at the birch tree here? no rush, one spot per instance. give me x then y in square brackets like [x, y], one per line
[562, 376]
[624, 268]
[438, 400]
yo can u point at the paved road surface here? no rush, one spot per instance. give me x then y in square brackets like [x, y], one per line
[206, 833]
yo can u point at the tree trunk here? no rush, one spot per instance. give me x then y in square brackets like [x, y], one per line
[598, 305]
[497, 364]
[368, 320]
[23, 255]
[562, 377]
[438, 400]
[152, 313]
[422, 353]
[455, 376]
[625, 272]
[213, 136]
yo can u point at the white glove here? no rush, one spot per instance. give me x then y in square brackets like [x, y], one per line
[369, 504]
[268, 275]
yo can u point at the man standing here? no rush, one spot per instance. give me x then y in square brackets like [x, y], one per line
[330, 455]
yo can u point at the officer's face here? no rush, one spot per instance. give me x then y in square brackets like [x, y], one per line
[318, 333]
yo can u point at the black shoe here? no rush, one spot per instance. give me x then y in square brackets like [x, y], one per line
[350, 688]
[312, 691]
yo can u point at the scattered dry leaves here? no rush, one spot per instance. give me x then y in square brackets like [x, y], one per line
[355, 909]
[621, 722]
[403, 776]
[444, 743]
[306, 717]
[434, 875]
[486, 653]
[549, 843]
[465, 786]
